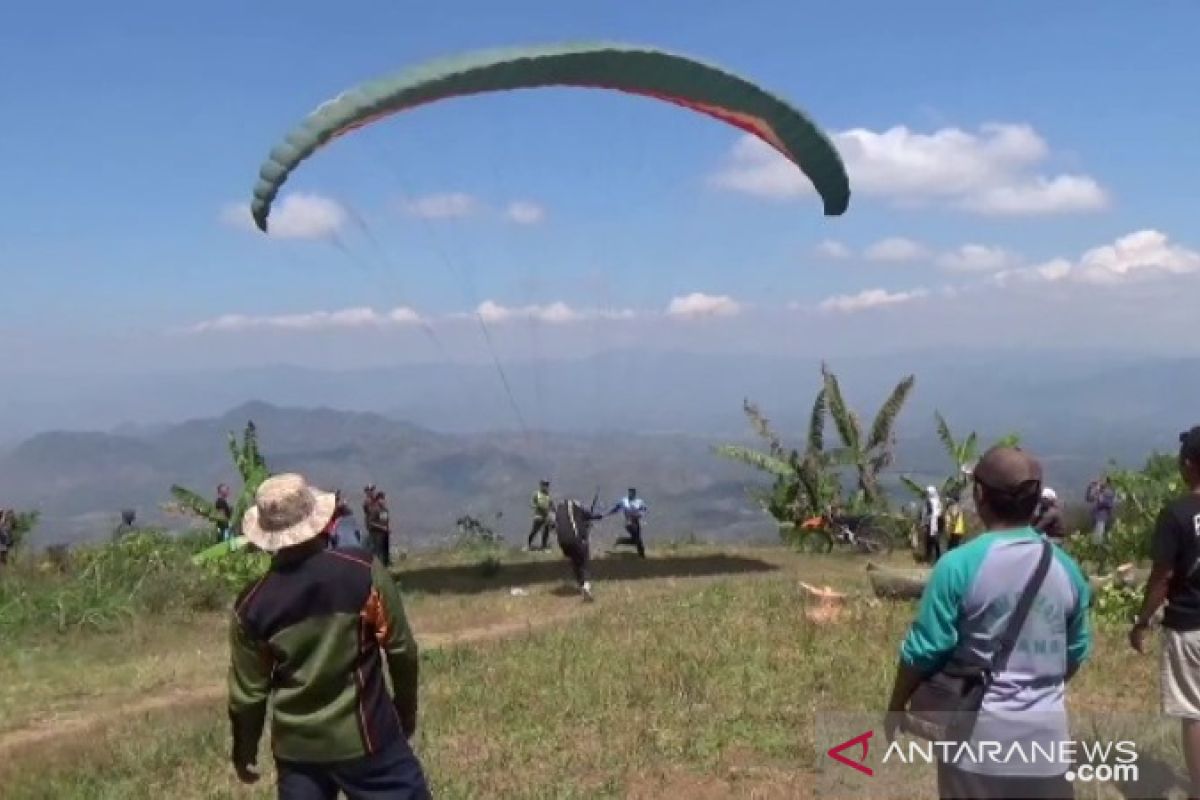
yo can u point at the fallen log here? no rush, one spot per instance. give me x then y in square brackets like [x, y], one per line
[897, 584]
[907, 584]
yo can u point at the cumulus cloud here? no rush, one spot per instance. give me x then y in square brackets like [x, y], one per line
[993, 170]
[446, 205]
[296, 216]
[870, 298]
[698, 305]
[896, 249]
[1141, 255]
[523, 212]
[344, 319]
[833, 249]
[977, 258]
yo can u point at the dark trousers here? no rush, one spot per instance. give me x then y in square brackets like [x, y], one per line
[392, 774]
[957, 784]
[541, 524]
[381, 544]
[933, 548]
[577, 553]
[634, 528]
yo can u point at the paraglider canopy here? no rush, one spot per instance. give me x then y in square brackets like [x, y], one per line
[643, 71]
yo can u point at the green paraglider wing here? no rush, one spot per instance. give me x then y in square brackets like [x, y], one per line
[643, 71]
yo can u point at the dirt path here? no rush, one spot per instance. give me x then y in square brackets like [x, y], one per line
[61, 731]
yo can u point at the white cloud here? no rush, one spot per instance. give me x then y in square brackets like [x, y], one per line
[993, 170]
[757, 169]
[1140, 255]
[556, 313]
[870, 298]
[896, 249]
[523, 212]
[833, 249]
[344, 319]
[977, 258]
[446, 205]
[698, 305]
[296, 216]
[1143, 253]
[1040, 196]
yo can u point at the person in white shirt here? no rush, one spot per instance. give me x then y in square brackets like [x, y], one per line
[634, 509]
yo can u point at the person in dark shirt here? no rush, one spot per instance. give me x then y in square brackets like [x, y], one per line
[379, 526]
[1103, 497]
[573, 524]
[1175, 580]
[6, 534]
[1048, 520]
[313, 644]
[225, 512]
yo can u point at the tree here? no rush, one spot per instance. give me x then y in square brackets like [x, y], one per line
[252, 468]
[963, 453]
[871, 455]
[805, 484]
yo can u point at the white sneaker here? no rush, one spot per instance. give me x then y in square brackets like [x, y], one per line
[587, 592]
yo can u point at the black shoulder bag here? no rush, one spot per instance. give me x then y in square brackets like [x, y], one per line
[946, 705]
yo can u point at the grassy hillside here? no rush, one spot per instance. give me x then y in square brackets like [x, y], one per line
[698, 674]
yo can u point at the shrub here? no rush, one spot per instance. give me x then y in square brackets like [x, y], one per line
[1117, 605]
[107, 586]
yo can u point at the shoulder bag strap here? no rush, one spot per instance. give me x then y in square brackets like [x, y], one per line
[1016, 620]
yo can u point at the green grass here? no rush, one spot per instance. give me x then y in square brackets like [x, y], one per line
[670, 693]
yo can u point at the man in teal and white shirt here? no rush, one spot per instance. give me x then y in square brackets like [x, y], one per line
[963, 610]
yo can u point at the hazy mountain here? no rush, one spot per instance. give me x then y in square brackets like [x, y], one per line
[676, 392]
[81, 480]
[599, 423]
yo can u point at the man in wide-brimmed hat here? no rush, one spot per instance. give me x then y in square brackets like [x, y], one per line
[312, 636]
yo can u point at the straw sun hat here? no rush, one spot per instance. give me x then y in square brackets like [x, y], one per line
[287, 512]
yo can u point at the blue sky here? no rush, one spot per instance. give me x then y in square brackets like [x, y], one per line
[133, 127]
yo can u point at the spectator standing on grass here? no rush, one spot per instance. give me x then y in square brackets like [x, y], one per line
[126, 526]
[7, 534]
[224, 514]
[965, 610]
[1175, 580]
[542, 505]
[1103, 497]
[956, 523]
[1048, 520]
[342, 529]
[310, 641]
[932, 519]
[379, 526]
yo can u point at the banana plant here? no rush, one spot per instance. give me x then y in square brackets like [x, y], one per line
[251, 467]
[804, 483]
[963, 453]
[874, 453]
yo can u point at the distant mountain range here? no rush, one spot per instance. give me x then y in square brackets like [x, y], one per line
[82, 480]
[596, 424]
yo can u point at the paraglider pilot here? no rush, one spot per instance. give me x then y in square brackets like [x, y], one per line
[573, 523]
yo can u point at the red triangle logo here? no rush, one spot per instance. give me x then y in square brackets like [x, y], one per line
[860, 764]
